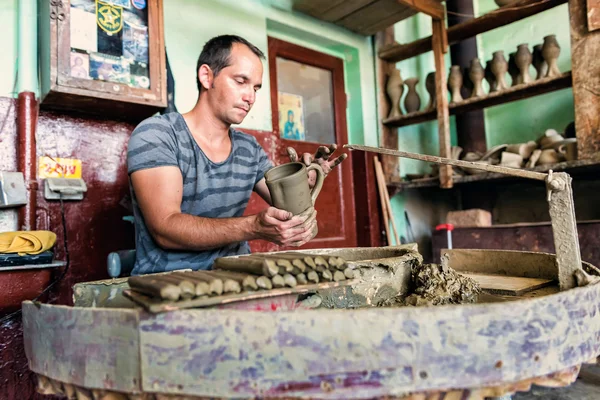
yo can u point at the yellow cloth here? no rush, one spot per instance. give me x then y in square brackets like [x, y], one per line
[26, 242]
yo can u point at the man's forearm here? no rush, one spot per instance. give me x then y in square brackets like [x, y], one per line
[188, 232]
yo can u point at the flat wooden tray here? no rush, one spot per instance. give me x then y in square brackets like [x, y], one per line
[508, 285]
[157, 306]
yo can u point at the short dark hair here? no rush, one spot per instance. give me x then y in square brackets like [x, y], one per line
[216, 52]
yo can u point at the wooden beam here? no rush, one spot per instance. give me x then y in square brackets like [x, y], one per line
[585, 47]
[430, 7]
[492, 20]
[389, 136]
[441, 93]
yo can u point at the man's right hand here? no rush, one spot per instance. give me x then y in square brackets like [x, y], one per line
[283, 228]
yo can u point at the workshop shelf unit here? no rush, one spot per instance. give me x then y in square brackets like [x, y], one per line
[377, 17]
[103, 58]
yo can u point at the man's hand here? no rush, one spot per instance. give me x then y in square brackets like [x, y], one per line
[281, 227]
[323, 157]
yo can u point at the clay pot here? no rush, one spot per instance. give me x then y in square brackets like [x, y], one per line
[511, 160]
[549, 156]
[522, 149]
[288, 186]
[394, 90]
[513, 70]
[548, 139]
[499, 68]
[540, 65]
[476, 74]
[455, 82]
[550, 52]
[430, 86]
[567, 148]
[412, 101]
[523, 60]
[490, 78]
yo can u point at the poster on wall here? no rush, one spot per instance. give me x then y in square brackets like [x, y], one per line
[291, 116]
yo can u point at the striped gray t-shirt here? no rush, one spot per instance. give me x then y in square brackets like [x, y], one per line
[212, 190]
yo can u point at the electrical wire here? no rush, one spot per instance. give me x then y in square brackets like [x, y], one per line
[62, 275]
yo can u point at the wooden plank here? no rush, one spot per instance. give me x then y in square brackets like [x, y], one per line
[387, 21]
[492, 20]
[389, 136]
[156, 306]
[513, 93]
[344, 9]
[593, 14]
[371, 14]
[585, 61]
[89, 347]
[430, 7]
[441, 93]
[240, 354]
[508, 285]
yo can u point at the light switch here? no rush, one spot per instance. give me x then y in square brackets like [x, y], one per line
[12, 189]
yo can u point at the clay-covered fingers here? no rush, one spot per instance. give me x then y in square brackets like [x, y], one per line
[307, 159]
[292, 154]
[338, 160]
[309, 231]
[323, 152]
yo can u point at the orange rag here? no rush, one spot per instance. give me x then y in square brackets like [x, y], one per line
[26, 242]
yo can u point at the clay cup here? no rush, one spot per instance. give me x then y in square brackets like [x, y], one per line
[288, 185]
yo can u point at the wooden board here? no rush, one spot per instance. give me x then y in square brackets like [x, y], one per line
[157, 306]
[508, 285]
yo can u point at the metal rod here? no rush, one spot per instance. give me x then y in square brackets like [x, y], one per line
[521, 173]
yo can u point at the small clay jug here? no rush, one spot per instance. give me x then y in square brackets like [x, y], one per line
[430, 86]
[550, 52]
[455, 82]
[523, 60]
[412, 101]
[499, 69]
[394, 89]
[490, 78]
[476, 74]
[288, 185]
[513, 70]
[540, 65]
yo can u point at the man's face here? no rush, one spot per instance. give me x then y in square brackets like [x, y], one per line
[233, 92]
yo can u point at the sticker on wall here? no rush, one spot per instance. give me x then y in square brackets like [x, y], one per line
[80, 65]
[139, 4]
[109, 17]
[56, 167]
[291, 116]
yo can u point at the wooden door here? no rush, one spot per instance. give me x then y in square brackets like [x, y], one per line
[335, 205]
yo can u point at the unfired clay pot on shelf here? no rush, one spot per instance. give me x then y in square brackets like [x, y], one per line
[455, 82]
[540, 65]
[523, 60]
[499, 67]
[551, 51]
[394, 90]
[430, 86]
[412, 101]
[476, 74]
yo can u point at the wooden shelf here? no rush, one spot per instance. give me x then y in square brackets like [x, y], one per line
[519, 92]
[365, 17]
[492, 20]
[567, 166]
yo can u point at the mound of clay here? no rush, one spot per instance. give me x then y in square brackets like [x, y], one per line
[436, 285]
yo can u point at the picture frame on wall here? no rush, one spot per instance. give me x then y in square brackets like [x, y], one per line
[291, 116]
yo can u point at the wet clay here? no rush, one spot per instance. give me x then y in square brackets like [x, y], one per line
[436, 285]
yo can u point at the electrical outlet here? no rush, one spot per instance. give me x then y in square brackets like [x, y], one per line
[12, 189]
[68, 188]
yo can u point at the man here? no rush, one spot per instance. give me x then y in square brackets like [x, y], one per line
[192, 174]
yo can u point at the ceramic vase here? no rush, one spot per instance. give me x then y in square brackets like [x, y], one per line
[476, 74]
[489, 77]
[523, 60]
[550, 52]
[394, 89]
[540, 65]
[430, 86]
[499, 69]
[455, 81]
[412, 101]
[513, 70]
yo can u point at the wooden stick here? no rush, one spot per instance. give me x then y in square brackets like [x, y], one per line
[382, 201]
[386, 197]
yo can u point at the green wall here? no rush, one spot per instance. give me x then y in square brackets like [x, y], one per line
[8, 28]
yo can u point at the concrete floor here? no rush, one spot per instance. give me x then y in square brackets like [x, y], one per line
[587, 387]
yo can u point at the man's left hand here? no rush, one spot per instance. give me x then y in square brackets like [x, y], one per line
[323, 157]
